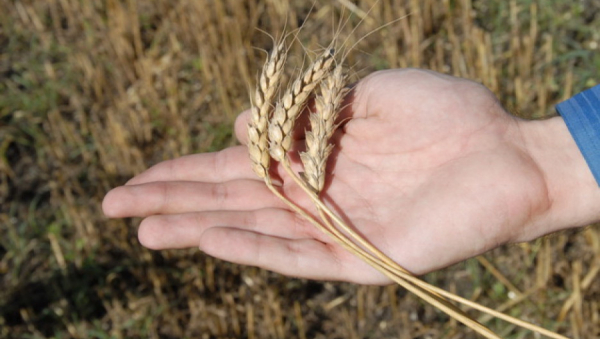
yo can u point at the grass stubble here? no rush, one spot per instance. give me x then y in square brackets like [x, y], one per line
[331, 81]
[94, 92]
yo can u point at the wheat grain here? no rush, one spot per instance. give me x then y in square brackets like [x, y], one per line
[270, 77]
[288, 109]
[322, 123]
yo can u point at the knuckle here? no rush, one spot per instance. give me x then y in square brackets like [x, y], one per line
[295, 262]
[251, 220]
[298, 224]
[165, 195]
[220, 194]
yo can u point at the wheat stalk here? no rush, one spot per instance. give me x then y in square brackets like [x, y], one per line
[280, 130]
[394, 272]
[399, 275]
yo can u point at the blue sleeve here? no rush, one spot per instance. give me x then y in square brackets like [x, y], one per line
[581, 113]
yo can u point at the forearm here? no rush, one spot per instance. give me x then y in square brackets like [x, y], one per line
[573, 193]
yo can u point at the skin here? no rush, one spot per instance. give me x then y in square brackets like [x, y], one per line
[428, 167]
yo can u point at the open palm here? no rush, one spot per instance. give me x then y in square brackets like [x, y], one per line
[429, 168]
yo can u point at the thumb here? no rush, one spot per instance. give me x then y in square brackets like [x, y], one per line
[241, 126]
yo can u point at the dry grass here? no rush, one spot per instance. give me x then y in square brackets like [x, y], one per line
[92, 92]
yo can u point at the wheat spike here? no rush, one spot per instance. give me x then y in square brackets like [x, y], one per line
[288, 109]
[322, 123]
[270, 77]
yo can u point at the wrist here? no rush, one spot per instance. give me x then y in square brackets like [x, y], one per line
[572, 191]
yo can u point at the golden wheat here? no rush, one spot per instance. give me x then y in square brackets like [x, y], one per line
[322, 123]
[294, 99]
[270, 77]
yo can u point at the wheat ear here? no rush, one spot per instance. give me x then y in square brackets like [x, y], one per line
[289, 108]
[322, 124]
[270, 77]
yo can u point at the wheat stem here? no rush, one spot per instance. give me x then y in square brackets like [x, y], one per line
[417, 287]
[432, 298]
[400, 273]
[419, 291]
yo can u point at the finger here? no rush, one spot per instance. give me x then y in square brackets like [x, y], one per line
[302, 258]
[181, 197]
[241, 126]
[185, 230]
[229, 164]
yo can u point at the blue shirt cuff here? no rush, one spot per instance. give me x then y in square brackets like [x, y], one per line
[581, 113]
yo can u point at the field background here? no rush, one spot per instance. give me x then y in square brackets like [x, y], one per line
[93, 92]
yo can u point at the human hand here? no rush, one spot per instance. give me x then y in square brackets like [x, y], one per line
[429, 168]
